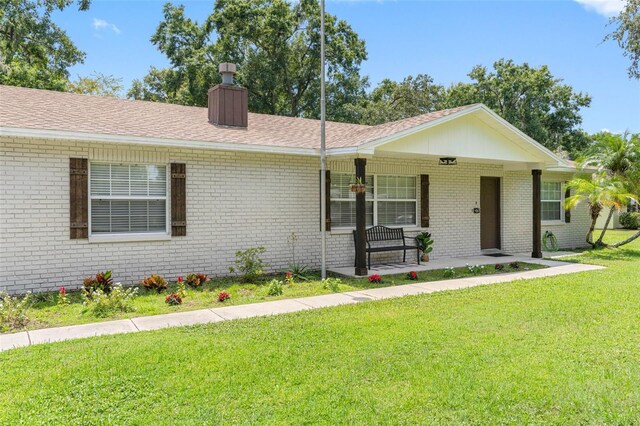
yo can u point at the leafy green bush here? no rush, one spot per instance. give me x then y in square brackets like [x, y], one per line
[102, 304]
[425, 242]
[449, 272]
[102, 281]
[13, 311]
[275, 288]
[630, 220]
[249, 263]
[332, 284]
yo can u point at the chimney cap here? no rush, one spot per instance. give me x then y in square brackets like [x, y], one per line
[227, 67]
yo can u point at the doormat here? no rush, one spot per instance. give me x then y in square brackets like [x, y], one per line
[498, 255]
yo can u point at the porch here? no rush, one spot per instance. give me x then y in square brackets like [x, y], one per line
[549, 259]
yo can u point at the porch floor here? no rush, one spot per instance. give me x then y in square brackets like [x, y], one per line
[453, 262]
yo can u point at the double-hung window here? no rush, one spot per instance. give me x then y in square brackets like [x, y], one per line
[128, 199]
[551, 198]
[390, 201]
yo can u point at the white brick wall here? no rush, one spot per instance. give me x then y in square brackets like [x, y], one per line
[234, 201]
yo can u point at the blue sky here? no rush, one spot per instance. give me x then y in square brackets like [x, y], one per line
[442, 38]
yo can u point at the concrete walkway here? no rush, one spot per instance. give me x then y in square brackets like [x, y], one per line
[204, 316]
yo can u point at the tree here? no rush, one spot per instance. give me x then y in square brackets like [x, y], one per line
[599, 192]
[96, 84]
[633, 187]
[616, 156]
[34, 51]
[531, 99]
[276, 44]
[392, 100]
[627, 35]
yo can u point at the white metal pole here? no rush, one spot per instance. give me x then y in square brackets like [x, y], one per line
[323, 151]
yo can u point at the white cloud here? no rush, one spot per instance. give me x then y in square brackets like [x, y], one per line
[606, 8]
[101, 24]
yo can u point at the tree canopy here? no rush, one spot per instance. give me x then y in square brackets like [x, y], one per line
[531, 99]
[34, 51]
[277, 45]
[627, 34]
[96, 84]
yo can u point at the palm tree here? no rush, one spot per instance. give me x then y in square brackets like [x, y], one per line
[616, 156]
[599, 192]
[633, 187]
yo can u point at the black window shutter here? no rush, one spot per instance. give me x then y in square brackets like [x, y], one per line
[78, 198]
[424, 201]
[567, 211]
[178, 200]
[327, 198]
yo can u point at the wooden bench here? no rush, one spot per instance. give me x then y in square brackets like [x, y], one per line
[381, 233]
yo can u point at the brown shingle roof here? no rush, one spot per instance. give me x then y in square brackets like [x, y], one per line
[60, 111]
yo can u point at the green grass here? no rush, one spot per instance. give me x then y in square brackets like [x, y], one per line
[557, 350]
[47, 313]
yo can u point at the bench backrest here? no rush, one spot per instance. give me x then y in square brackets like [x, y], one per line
[384, 233]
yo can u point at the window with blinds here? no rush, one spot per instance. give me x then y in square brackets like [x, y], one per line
[128, 198]
[551, 198]
[390, 200]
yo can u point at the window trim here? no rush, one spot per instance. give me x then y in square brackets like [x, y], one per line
[375, 200]
[561, 201]
[131, 236]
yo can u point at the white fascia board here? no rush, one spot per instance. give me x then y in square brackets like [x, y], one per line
[524, 136]
[372, 145]
[136, 140]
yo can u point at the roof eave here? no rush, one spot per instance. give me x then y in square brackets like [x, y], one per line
[138, 140]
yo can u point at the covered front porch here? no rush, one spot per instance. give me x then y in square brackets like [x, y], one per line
[397, 268]
[477, 184]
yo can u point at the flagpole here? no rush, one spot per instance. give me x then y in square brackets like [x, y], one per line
[323, 151]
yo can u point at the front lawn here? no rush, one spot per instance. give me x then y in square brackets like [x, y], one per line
[556, 350]
[46, 312]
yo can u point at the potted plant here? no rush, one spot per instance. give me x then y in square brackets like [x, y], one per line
[425, 244]
[358, 187]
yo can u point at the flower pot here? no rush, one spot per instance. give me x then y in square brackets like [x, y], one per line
[425, 258]
[358, 188]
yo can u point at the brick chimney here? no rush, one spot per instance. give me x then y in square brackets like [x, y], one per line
[228, 103]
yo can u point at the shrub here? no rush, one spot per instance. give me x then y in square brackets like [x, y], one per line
[196, 280]
[630, 220]
[449, 273]
[182, 291]
[62, 297]
[332, 284]
[13, 311]
[475, 269]
[288, 279]
[299, 271]
[102, 281]
[375, 278]
[154, 282]
[412, 276]
[223, 296]
[499, 266]
[173, 299]
[102, 304]
[514, 265]
[275, 288]
[249, 263]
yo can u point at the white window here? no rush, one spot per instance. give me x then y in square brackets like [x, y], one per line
[128, 199]
[390, 201]
[551, 198]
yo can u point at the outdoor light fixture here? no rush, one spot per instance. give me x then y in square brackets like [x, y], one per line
[448, 161]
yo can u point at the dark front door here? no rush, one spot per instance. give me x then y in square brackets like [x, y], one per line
[489, 213]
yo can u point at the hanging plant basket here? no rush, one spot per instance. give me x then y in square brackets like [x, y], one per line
[358, 188]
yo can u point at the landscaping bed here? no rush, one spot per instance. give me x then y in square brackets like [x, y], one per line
[46, 309]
